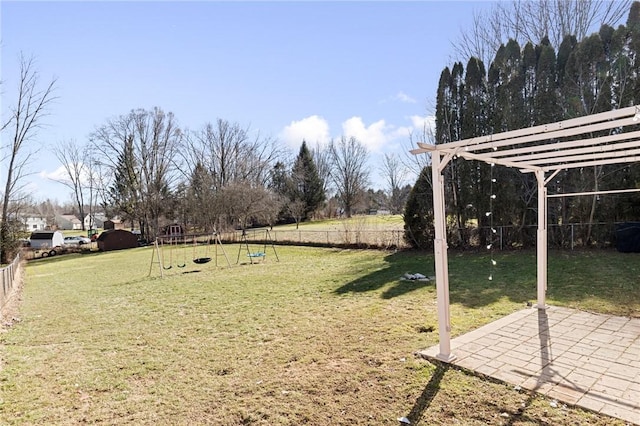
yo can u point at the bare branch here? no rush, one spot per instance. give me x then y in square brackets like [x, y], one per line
[31, 106]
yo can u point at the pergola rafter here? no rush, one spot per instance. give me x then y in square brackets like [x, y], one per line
[553, 147]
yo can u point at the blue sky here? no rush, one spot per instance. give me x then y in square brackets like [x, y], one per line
[290, 70]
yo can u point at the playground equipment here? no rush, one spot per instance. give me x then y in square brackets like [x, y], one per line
[256, 255]
[200, 259]
[200, 244]
[172, 242]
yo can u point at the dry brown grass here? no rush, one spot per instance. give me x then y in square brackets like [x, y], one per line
[322, 337]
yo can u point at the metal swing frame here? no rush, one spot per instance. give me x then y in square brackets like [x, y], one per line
[258, 254]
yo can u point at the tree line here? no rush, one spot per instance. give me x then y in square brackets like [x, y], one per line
[525, 86]
[144, 168]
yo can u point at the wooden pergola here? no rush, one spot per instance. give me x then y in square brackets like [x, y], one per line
[544, 150]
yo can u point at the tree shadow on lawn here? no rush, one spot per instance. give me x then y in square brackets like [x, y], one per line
[468, 277]
[572, 276]
[397, 264]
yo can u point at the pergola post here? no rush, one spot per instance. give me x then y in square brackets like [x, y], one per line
[441, 261]
[541, 247]
[544, 148]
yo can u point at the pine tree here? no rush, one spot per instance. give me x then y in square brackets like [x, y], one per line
[418, 213]
[123, 193]
[306, 185]
[202, 205]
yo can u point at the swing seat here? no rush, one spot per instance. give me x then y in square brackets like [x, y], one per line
[257, 254]
[201, 260]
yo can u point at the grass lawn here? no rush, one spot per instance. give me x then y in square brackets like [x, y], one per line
[322, 337]
[386, 222]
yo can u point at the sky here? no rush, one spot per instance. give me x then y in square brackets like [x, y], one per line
[288, 70]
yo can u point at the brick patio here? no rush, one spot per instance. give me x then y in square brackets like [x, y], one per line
[579, 358]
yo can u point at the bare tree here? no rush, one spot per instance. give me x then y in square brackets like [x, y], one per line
[296, 209]
[140, 151]
[47, 209]
[394, 173]
[349, 171]
[33, 101]
[73, 158]
[414, 164]
[322, 159]
[532, 20]
[231, 153]
[244, 204]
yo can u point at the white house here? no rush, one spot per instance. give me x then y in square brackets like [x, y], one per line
[94, 221]
[68, 221]
[33, 222]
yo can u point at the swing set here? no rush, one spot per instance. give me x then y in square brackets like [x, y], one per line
[256, 256]
[178, 247]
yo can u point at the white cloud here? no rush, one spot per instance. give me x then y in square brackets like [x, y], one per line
[399, 97]
[59, 174]
[313, 129]
[420, 122]
[373, 136]
[376, 136]
[403, 97]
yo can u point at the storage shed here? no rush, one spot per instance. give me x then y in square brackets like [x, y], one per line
[46, 239]
[116, 239]
[114, 223]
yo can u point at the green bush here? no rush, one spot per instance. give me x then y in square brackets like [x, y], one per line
[418, 213]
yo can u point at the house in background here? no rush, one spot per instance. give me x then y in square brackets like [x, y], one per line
[115, 223]
[68, 222]
[33, 222]
[94, 221]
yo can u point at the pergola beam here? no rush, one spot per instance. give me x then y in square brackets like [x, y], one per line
[538, 149]
[575, 194]
[546, 129]
[559, 146]
[590, 156]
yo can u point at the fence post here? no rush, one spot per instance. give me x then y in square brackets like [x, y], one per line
[572, 236]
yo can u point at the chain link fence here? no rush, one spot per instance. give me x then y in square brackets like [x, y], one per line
[380, 239]
[570, 236]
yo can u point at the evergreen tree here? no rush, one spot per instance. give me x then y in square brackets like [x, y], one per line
[279, 179]
[533, 86]
[306, 185]
[202, 205]
[476, 179]
[123, 193]
[418, 213]
[448, 129]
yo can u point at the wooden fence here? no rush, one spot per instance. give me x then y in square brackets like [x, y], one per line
[8, 275]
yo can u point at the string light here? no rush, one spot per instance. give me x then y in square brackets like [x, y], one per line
[493, 230]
